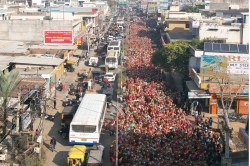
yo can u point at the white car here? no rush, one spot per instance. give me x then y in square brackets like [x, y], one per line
[110, 76]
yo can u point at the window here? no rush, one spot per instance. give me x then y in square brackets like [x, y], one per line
[83, 128]
[187, 25]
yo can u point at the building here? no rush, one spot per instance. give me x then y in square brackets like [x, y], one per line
[233, 30]
[178, 24]
[205, 81]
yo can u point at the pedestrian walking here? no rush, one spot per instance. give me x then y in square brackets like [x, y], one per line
[54, 103]
[210, 122]
[89, 85]
[53, 143]
[111, 129]
[196, 115]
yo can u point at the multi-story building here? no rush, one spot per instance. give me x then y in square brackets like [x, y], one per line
[205, 84]
[225, 30]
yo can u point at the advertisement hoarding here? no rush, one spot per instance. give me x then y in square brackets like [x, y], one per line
[59, 37]
[213, 65]
[237, 63]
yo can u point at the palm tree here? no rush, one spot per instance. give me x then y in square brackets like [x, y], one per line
[8, 81]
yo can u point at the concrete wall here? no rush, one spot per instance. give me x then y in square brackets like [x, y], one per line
[222, 32]
[30, 30]
[177, 24]
[245, 32]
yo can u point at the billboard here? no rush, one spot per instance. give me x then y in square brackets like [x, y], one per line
[163, 5]
[237, 63]
[213, 65]
[59, 37]
[152, 7]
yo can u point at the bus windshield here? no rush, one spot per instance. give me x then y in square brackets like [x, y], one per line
[109, 60]
[84, 128]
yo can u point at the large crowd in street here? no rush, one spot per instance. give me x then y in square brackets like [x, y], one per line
[154, 131]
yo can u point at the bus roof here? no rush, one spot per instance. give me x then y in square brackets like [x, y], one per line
[112, 53]
[90, 109]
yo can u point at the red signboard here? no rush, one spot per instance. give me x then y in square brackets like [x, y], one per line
[58, 37]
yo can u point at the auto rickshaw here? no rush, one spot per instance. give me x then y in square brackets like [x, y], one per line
[76, 155]
[68, 65]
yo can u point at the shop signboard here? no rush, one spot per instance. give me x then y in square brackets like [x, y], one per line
[237, 63]
[60, 37]
[78, 40]
[122, 3]
[152, 7]
[213, 65]
[163, 5]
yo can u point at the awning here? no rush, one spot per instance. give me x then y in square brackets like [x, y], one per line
[198, 95]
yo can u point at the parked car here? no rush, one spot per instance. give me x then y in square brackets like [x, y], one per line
[110, 76]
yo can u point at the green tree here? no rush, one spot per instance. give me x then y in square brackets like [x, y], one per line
[8, 81]
[190, 9]
[173, 57]
[197, 43]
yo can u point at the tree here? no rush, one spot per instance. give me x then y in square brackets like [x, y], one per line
[173, 57]
[229, 87]
[8, 81]
[190, 9]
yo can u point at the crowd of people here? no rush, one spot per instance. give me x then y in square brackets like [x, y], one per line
[154, 131]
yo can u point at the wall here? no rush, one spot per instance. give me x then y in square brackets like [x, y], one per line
[222, 32]
[30, 30]
[245, 31]
[243, 106]
[177, 24]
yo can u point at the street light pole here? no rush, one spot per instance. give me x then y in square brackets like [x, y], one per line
[116, 140]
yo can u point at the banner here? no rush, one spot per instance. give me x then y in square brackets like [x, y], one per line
[237, 63]
[58, 37]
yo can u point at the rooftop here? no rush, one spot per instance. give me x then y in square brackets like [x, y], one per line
[34, 71]
[4, 62]
[59, 47]
[178, 34]
[29, 83]
[37, 61]
[13, 47]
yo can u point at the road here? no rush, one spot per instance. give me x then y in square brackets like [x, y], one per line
[59, 156]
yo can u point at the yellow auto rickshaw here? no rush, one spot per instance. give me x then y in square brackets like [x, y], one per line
[76, 155]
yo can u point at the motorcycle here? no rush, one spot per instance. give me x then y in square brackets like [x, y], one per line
[64, 131]
[49, 117]
[73, 89]
[70, 102]
[59, 87]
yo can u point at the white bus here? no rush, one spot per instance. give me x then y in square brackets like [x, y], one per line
[86, 125]
[114, 45]
[112, 59]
